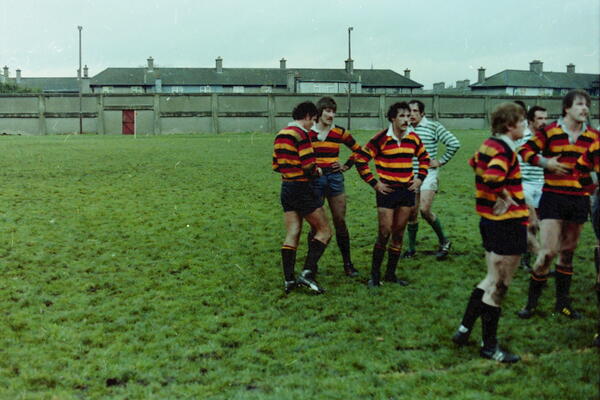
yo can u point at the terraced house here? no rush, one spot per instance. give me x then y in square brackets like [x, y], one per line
[536, 82]
[152, 79]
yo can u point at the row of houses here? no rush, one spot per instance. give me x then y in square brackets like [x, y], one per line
[154, 79]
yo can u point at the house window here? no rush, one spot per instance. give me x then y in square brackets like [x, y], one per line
[177, 89]
[205, 89]
[238, 89]
[266, 89]
[137, 89]
[107, 89]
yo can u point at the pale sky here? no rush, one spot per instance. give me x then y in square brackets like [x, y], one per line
[438, 40]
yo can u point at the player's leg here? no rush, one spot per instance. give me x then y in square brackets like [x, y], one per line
[550, 230]
[400, 220]
[318, 223]
[385, 217]
[293, 228]
[337, 204]
[570, 233]
[413, 228]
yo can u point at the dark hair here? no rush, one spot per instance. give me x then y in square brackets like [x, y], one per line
[505, 115]
[304, 109]
[419, 104]
[394, 108]
[570, 98]
[532, 111]
[324, 103]
[522, 104]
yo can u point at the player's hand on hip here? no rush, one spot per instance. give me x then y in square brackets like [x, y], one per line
[415, 185]
[383, 188]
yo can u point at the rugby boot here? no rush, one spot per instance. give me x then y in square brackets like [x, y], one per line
[536, 284]
[499, 354]
[443, 250]
[350, 271]
[461, 338]
[409, 254]
[596, 341]
[307, 279]
[290, 285]
[565, 308]
[394, 279]
[472, 312]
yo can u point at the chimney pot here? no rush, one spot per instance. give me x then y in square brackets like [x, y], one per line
[5, 71]
[219, 64]
[407, 73]
[571, 68]
[18, 76]
[536, 66]
[282, 63]
[85, 71]
[480, 75]
[150, 64]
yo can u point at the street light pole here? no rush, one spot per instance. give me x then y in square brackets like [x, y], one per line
[348, 67]
[80, 82]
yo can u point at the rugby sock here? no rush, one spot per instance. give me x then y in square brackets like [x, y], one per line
[439, 231]
[378, 254]
[490, 316]
[288, 259]
[412, 236]
[315, 251]
[536, 284]
[393, 257]
[343, 242]
[562, 277]
[473, 310]
[309, 237]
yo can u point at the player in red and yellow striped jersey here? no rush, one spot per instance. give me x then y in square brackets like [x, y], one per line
[503, 225]
[326, 138]
[393, 150]
[294, 159]
[590, 161]
[564, 205]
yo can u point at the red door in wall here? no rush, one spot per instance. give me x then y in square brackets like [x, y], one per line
[128, 122]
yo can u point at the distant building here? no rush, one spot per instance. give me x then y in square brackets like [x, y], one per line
[151, 79]
[47, 84]
[536, 82]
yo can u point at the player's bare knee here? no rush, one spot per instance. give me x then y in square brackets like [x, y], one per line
[499, 292]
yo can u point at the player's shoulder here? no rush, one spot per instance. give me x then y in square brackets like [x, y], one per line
[339, 129]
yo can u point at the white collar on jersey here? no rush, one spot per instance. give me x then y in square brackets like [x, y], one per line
[423, 121]
[294, 123]
[322, 135]
[390, 132]
[511, 143]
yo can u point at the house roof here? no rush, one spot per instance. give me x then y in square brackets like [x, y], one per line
[518, 78]
[49, 84]
[245, 77]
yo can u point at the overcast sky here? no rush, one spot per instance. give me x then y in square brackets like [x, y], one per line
[438, 40]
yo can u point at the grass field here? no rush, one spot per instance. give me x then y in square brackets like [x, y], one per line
[149, 268]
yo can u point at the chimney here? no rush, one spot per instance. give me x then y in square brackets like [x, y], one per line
[571, 68]
[150, 64]
[5, 72]
[536, 66]
[459, 84]
[282, 63]
[407, 73]
[85, 71]
[219, 64]
[467, 83]
[439, 86]
[350, 66]
[18, 76]
[480, 75]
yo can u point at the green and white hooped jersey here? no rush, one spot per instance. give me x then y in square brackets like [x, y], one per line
[529, 173]
[432, 133]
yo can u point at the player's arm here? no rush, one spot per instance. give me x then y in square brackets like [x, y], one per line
[450, 141]
[354, 147]
[308, 160]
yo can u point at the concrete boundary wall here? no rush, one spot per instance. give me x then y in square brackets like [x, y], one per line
[155, 114]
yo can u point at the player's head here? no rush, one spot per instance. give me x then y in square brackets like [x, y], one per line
[305, 113]
[396, 108]
[522, 105]
[417, 111]
[576, 104]
[506, 117]
[328, 105]
[537, 117]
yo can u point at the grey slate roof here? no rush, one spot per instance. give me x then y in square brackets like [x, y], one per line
[50, 84]
[245, 77]
[518, 78]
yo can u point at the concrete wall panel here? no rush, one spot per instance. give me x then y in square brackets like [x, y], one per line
[186, 125]
[185, 103]
[19, 104]
[19, 126]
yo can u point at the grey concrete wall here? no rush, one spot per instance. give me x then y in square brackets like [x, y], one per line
[43, 114]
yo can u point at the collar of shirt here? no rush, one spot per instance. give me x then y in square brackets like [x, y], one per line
[297, 125]
[322, 135]
[563, 126]
[511, 143]
[424, 120]
[390, 132]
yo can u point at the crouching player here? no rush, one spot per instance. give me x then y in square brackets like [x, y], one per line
[500, 203]
[590, 160]
[294, 159]
[393, 150]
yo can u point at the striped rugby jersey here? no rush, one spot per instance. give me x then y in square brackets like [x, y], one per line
[530, 173]
[496, 168]
[590, 160]
[432, 133]
[327, 151]
[393, 158]
[554, 141]
[293, 155]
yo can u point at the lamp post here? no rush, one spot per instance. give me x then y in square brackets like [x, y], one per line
[349, 70]
[80, 82]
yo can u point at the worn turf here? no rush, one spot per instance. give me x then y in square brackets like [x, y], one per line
[149, 268]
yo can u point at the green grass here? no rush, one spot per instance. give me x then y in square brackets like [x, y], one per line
[149, 268]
